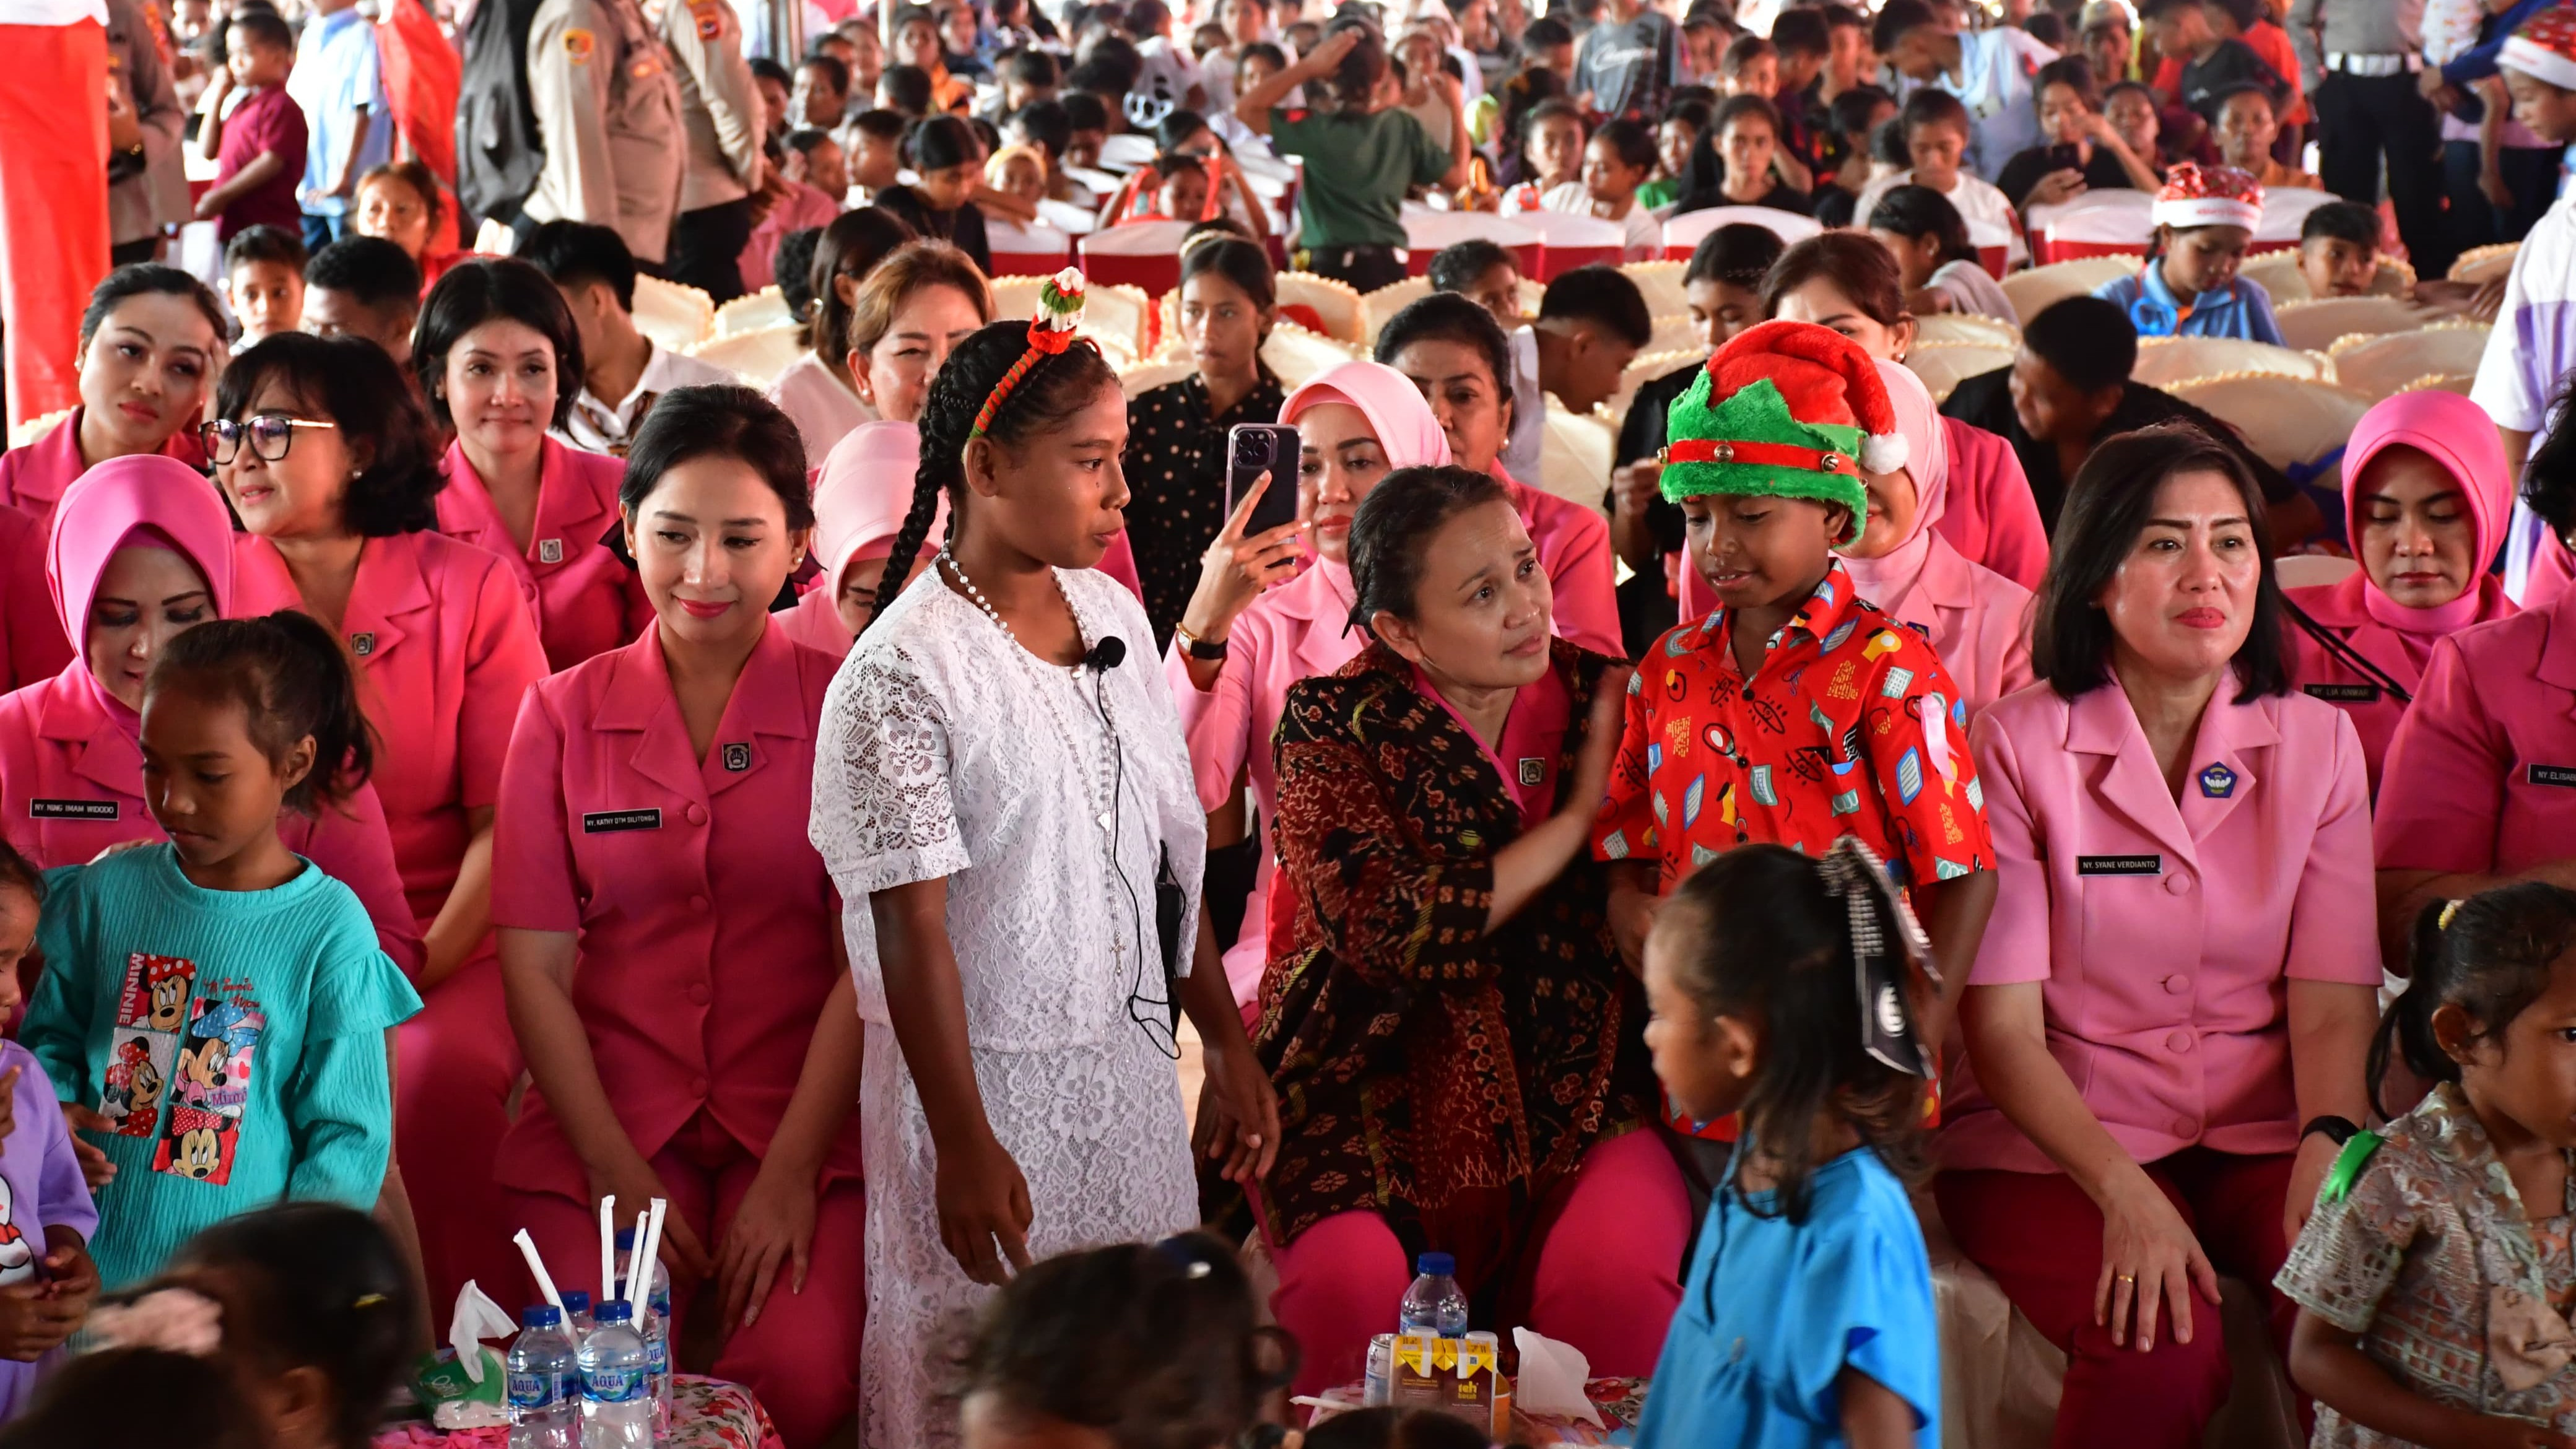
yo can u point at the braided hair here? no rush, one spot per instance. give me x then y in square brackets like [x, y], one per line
[1053, 389]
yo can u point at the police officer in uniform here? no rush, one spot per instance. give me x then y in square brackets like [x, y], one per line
[721, 108]
[608, 114]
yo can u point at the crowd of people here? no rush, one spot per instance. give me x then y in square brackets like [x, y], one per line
[463, 760]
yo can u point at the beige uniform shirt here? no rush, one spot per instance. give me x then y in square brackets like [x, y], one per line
[718, 102]
[608, 114]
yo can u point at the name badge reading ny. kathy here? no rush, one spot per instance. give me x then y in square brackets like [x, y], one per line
[609, 822]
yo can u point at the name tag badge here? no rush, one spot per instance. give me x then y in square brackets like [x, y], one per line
[362, 644]
[737, 758]
[2551, 774]
[550, 550]
[2119, 865]
[610, 822]
[72, 810]
[2218, 782]
[1533, 771]
[2343, 693]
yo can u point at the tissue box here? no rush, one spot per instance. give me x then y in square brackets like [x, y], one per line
[1461, 1377]
[437, 1378]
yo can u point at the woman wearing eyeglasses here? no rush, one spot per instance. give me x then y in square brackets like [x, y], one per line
[333, 470]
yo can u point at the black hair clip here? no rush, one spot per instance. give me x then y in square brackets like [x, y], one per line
[1853, 873]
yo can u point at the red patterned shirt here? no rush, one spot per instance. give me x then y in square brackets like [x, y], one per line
[1849, 726]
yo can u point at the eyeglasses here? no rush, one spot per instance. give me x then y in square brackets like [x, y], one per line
[270, 435]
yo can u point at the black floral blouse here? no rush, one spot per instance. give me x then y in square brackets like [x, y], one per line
[1175, 466]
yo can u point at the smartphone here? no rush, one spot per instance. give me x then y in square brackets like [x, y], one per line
[1252, 449]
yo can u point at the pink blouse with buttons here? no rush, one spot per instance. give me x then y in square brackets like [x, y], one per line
[706, 929]
[2161, 930]
[587, 599]
[444, 649]
[2481, 777]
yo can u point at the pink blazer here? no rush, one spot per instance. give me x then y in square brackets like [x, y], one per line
[1293, 632]
[2481, 775]
[586, 598]
[71, 785]
[32, 478]
[1978, 622]
[2162, 929]
[1574, 547]
[706, 929]
[444, 648]
[2340, 607]
[1992, 518]
[814, 623]
[32, 646]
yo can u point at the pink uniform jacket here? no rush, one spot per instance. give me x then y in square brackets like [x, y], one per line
[2161, 929]
[2481, 776]
[2392, 640]
[706, 929]
[1296, 631]
[71, 771]
[1574, 547]
[444, 649]
[1992, 518]
[32, 478]
[32, 646]
[587, 599]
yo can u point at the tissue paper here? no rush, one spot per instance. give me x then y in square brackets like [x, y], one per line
[1552, 1379]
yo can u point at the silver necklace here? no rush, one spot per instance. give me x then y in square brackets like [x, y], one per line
[985, 604]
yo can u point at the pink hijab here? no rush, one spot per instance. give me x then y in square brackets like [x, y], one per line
[865, 490]
[1391, 403]
[170, 505]
[1889, 578]
[2460, 439]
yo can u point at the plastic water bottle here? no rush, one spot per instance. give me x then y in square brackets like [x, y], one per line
[1434, 1304]
[544, 1380]
[577, 1321]
[656, 1331]
[616, 1412]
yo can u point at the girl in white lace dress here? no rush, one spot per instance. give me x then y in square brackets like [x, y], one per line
[994, 796]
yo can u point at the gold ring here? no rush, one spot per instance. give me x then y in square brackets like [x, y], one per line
[2125, 1277]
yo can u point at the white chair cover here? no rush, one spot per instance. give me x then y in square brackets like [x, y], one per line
[1683, 232]
[2166, 361]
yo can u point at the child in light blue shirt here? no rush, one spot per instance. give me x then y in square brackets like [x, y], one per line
[2205, 219]
[1784, 988]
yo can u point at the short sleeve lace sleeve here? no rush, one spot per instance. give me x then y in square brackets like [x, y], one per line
[2350, 1252]
[884, 812]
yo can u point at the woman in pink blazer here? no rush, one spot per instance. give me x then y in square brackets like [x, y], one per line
[859, 503]
[500, 362]
[151, 344]
[1458, 356]
[1978, 620]
[1238, 648]
[332, 469]
[670, 940]
[2426, 498]
[141, 549]
[32, 645]
[2479, 787]
[2166, 1021]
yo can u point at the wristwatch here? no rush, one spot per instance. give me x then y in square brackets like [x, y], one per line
[1196, 647]
[2339, 1129]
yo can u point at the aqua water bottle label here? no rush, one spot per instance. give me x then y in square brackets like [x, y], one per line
[613, 1385]
[657, 1355]
[529, 1390]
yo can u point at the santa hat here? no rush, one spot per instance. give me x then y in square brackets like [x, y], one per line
[2544, 48]
[2208, 196]
[1784, 410]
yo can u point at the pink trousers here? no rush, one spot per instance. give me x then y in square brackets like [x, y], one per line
[1605, 1277]
[454, 1065]
[801, 1359]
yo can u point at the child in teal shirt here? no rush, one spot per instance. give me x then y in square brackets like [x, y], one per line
[213, 1009]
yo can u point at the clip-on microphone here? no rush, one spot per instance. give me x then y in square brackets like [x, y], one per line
[1105, 655]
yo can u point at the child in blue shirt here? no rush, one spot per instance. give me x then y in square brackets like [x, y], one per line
[220, 1000]
[1784, 989]
[2205, 219]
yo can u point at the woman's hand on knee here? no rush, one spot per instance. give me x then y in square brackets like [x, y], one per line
[2151, 1262]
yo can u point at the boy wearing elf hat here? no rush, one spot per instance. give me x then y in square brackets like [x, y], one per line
[2533, 343]
[1796, 712]
[2205, 218]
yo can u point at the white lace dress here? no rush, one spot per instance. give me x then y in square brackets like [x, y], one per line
[948, 750]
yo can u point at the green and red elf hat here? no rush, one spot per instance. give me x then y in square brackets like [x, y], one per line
[1784, 410]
